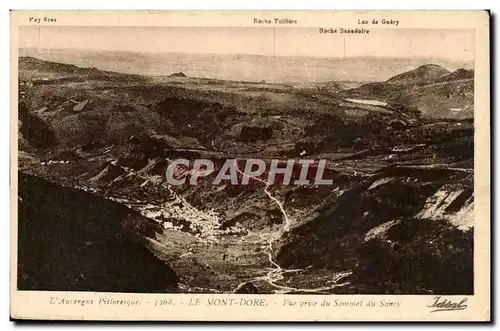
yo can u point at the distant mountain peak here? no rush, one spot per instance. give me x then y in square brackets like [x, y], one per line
[178, 74]
[422, 75]
[430, 66]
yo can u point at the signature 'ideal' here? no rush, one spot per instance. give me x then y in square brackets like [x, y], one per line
[442, 304]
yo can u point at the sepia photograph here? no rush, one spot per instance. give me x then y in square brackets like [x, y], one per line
[270, 159]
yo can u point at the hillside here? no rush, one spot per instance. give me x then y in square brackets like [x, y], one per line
[31, 63]
[46, 71]
[450, 99]
[457, 75]
[103, 112]
[431, 89]
[378, 231]
[422, 75]
[104, 250]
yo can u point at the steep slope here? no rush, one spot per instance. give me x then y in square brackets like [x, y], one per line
[458, 74]
[420, 76]
[393, 229]
[74, 241]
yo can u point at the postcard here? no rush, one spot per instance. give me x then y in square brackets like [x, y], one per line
[250, 165]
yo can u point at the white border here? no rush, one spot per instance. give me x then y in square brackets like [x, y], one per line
[214, 4]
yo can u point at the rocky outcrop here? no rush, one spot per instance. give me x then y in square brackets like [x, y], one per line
[80, 105]
[109, 173]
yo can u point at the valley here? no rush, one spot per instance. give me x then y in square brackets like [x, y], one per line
[398, 217]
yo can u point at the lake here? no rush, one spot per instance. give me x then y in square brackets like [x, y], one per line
[368, 102]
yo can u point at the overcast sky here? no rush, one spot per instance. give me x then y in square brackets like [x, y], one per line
[455, 45]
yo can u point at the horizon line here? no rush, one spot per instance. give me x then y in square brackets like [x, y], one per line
[256, 55]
